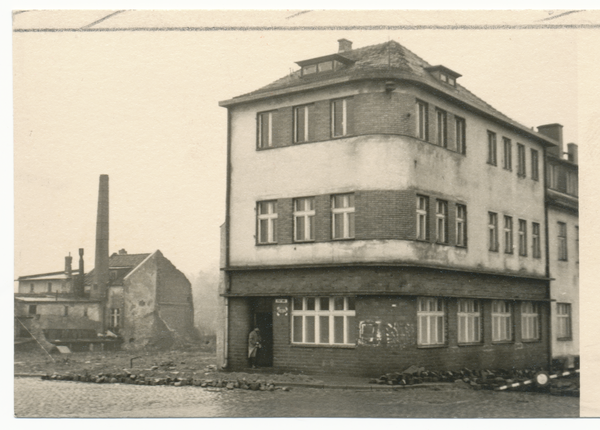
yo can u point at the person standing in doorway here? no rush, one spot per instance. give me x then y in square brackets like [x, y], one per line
[254, 340]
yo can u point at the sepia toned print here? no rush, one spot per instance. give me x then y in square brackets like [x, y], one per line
[310, 214]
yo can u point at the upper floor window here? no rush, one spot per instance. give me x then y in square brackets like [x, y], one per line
[535, 240]
[431, 315]
[562, 241]
[441, 215]
[339, 117]
[507, 153]
[469, 321]
[492, 148]
[300, 124]
[535, 165]
[530, 324]
[304, 219]
[32, 309]
[115, 317]
[522, 237]
[66, 311]
[563, 320]
[521, 169]
[324, 320]
[422, 120]
[508, 234]
[461, 136]
[493, 231]
[323, 66]
[461, 225]
[342, 208]
[265, 129]
[267, 222]
[442, 131]
[572, 187]
[49, 287]
[31, 289]
[422, 217]
[501, 321]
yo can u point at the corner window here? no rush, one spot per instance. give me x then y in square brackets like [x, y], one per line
[342, 208]
[430, 315]
[562, 241]
[461, 136]
[339, 118]
[530, 321]
[535, 240]
[507, 154]
[324, 320]
[508, 234]
[265, 129]
[267, 222]
[422, 217]
[563, 320]
[469, 321]
[300, 124]
[501, 321]
[521, 169]
[535, 165]
[492, 148]
[304, 219]
[461, 225]
[441, 215]
[422, 120]
[522, 238]
[493, 231]
[442, 129]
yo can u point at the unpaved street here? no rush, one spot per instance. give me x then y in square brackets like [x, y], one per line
[37, 398]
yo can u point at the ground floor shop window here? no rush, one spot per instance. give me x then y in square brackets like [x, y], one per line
[501, 321]
[469, 321]
[563, 319]
[324, 320]
[530, 321]
[430, 314]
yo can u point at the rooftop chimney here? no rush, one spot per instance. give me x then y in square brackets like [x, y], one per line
[345, 45]
[81, 278]
[68, 265]
[553, 131]
[122, 251]
[573, 153]
[101, 275]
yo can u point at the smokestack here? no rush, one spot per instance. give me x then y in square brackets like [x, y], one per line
[573, 153]
[101, 268]
[553, 131]
[81, 279]
[344, 45]
[68, 267]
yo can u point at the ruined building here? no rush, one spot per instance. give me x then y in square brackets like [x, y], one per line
[127, 300]
[380, 215]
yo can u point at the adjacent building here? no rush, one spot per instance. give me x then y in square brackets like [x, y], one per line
[380, 215]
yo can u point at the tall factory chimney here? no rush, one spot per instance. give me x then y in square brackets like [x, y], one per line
[101, 276]
[80, 287]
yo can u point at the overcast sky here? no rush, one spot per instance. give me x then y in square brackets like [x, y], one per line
[142, 107]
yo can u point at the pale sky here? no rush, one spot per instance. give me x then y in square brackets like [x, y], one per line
[142, 107]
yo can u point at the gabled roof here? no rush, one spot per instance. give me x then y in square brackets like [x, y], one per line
[388, 60]
[127, 262]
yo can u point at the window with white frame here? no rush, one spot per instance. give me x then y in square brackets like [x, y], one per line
[342, 208]
[267, 222]
[442, 128]
[521, 168]
[431, 326]
[422, 218]
[324, 320]
[535, 240]
[508, 234]
[535, 165]
[339, 117]
[493, 231]
[492, 148]
[501, 321]
[461, 225]
[461, 135]
[562, 241]
[304, 219]
[300, 124]
[422, 120]
[563, 320]
[530, 321]
[265, 129]
[469, 321]
[115, 317]
[507, 153]
[522, 237]
[441, 215]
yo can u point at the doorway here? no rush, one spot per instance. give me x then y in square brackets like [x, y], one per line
[262, 317]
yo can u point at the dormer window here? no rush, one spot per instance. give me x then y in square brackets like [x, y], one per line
[444, 74]
[329, 63]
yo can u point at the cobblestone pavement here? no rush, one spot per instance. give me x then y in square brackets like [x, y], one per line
[37, 398]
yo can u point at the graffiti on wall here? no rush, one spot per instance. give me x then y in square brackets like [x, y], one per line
[377, 332]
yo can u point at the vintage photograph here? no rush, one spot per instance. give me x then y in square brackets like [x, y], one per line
[296, 213]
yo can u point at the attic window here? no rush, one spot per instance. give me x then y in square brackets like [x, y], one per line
[444, 74]
[326, 66]
[328, 63]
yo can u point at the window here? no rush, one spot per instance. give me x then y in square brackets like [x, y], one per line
[49, 287]
[430, 314]
[309, 70]
[300, 124]
[66, 311]
[572, 187]
[507, 153]
[522, 237]
[422, 120]
[530, 324]
[31, 289]
[461, 136]
[32, 309]
[501, 321]
[563, 320]
[535, 240]
[115, 317]
[443, 77]
[442, 129]
[265, 129]
[492, 148]
[422, 218]
[324, 320]
[441, 215]
[461, 225]
[267, 222]
[324, 66]
[577, 243]
[535, 165]
[85, 312]
[451, 81]
[338, 117]
[521, 170]
[493, 231]
[508, 234]
[469, 321]
[562, 241]
[304, 219]
[342, 208]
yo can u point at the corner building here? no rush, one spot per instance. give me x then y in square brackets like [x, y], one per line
[380, 215]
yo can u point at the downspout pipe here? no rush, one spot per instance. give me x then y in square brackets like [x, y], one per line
[547, 251]
[227, 229]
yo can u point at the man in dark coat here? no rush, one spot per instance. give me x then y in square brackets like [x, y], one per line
[254, 340]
